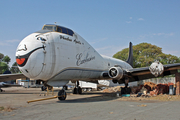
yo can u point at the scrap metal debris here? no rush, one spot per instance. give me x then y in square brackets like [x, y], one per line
[147, 90]
[152, 88]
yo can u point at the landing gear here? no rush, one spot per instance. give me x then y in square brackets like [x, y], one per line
[74, 90]
[62, 95]
[43, 88]
[50, 87]
[77, 89]
[1, 90]
[65, 87]
[126, 89]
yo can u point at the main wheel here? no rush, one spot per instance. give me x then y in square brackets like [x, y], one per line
[62, 95]
[125, 90]
[74, 91]
[79, 90]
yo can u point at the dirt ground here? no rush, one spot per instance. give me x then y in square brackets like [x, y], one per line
[16, 97]
[89, 105]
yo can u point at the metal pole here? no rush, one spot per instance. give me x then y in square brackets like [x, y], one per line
[45, 99]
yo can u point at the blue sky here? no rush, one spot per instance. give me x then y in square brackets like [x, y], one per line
[108, 25]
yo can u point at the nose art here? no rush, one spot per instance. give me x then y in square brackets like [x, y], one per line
[20, 61]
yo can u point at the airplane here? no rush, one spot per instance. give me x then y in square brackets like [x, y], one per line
[57, 54]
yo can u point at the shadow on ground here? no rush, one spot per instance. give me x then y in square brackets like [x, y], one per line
[87, 97]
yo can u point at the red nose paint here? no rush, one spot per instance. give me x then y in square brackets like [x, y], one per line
[20, 60]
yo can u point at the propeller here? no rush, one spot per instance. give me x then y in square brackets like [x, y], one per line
[113, 72]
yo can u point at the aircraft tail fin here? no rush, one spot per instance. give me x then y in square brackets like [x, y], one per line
[130, 58]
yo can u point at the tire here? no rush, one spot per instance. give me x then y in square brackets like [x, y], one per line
[79, 90]
[62, 95]
[129, 90]
[125, 90]
[74, 91]
[43, 88]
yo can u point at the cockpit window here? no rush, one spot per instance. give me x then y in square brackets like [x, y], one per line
[65, 30]
[70, 32]
[48, 27]
[58, 29]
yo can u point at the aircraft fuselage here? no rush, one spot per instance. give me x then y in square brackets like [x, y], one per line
[55, 56]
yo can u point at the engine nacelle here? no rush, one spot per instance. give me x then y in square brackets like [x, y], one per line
[156, 68]
[115, 73]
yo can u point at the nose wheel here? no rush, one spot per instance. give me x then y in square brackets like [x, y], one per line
[62, 95]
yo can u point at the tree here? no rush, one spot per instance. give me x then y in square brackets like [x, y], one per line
[6, 59]
[14, 68]
[145, 53]
[1, 56]
[3, 67]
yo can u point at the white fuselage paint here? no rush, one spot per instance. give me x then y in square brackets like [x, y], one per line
[63, 58]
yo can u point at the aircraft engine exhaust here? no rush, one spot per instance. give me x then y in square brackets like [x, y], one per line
[115, 73]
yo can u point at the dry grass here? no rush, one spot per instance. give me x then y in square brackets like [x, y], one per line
[166, 98]
[1, 108]
[142, 105]
[7, 109]
[154, 98]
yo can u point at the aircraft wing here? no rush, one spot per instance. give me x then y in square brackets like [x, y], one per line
[9, 85]
[8, 77]
[137, 74]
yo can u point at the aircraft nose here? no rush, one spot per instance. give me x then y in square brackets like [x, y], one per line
[30, 56]
[35, 63]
